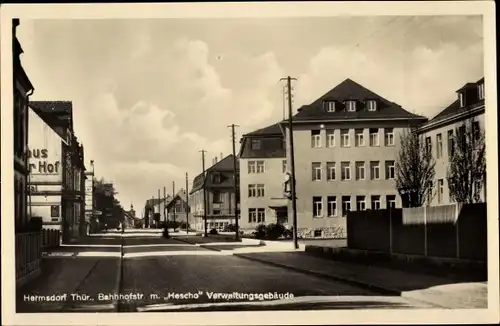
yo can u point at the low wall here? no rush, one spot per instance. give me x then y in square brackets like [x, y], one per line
[384, 231]
[51, 238]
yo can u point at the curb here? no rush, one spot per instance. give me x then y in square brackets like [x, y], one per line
[119, 277]
[369, 286]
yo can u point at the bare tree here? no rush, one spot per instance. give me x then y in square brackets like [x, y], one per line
[467, 170]
[414, 170]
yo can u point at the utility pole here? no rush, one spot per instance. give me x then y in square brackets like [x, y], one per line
[237, 234]
[173, 200]
[159, 204]
[151, 212]
[164, 205]
[204, 193]
[292, 161]
[187, 205]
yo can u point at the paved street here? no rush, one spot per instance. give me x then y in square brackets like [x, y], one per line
[157, 274]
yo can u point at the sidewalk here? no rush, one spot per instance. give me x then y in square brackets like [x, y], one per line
[441, 292]
[60, 278]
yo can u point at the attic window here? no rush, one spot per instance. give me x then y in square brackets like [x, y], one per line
[216, 178]
[461, 97]
[330, 106]
[255, 143]
[371, 105]
[481, 91]
[351, 106]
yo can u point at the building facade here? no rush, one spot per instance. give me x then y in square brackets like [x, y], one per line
[45, 171]
[465, 113]
[89, 198]
[346, 143]
[177, 209]
[217, 186]
[263, 167]
[23, 89]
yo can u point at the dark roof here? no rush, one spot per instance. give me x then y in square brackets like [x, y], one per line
[350, 90]
[180, 195]
[226, 169]
[155, 201]
[273, 129]
[57, 114]
[454, 108]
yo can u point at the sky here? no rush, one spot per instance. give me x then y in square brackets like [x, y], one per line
[149, 94]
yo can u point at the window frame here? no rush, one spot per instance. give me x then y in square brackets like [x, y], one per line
[317, 166]
[331, 201]
[373, 165]
[360, 164]
[345, 166]
[389, 135]
[316, 204]
[345, 134]
[331, 166]
[377, 134]
[359, 136]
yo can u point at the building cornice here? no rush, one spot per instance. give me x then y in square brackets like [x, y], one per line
[452, 119]
[354, 120]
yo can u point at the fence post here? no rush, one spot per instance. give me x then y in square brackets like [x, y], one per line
[425, 230]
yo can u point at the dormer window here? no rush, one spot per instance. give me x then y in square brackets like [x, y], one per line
[216, 178]
[351, 106]
[371, 105]
[255, 143]
[481, 91]
[330, 106]
[461, 97]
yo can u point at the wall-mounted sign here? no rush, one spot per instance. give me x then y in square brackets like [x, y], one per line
[43, 165]
[54, 211]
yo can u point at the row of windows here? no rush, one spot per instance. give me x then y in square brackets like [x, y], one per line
[350, 105]
[345, 170]
[359, 138]
[361, 204]
[439, 139]
[256, 215]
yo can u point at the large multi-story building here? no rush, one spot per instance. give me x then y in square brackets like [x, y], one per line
[262, 161]
[346, 143]
[222, 204]
[465, 113]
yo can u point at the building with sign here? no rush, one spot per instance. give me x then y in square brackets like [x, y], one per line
[262, 160]
[346, 143]
[217, 184]
[89, 197]
[58, 115]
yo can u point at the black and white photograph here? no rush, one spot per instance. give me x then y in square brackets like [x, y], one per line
[249, 163]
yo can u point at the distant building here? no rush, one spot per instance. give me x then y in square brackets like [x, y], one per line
[263, 167]
[156, 206]
[176, 208]
[218, 185]
[438, 133]
[130, 218]
[346, 143]
[89, 197]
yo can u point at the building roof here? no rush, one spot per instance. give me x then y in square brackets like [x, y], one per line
[274, 129]
[226, 169]
[350, 90]
[180, 195]
[454, 108]
[156, 201]
[56, 114]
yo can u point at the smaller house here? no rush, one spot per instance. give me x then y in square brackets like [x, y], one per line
[177, 208]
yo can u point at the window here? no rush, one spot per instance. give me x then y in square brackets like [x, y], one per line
[351, 106]
[332, 206]
[216, 212]
[461, 134]
[389, 169]
[440, 190]
[429, 192]
[261, 215]
[256, 144]
[330, 170]
[252, 191]
[391, 201]
[428, 144]
[284, 166]
[371, 105]
[346, 205]
[315, 138]
[476, 130]
[216, 197]
[360, 203]
[345, 171]
[360, 170]
[252, 215]
[252, 167]
[360, 137]
[374, 137]
[216, 178]
[451, 144]
[374, 170]
[389, 136]
[481, 91]
[260, 166]
[375, 202]
[318, 233]
[344, 138]
[439, 145]
[317, 207]
[260, 190]
[316, 171]
[330, 138]
[330, 106]
[461, 97]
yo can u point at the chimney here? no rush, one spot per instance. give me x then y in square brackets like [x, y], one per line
[215, 160]
[221, 156]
